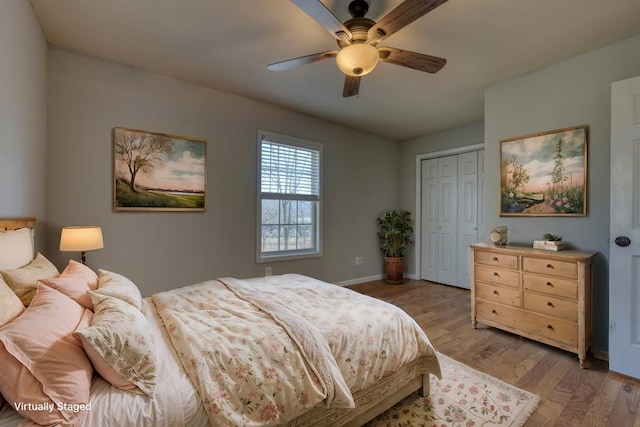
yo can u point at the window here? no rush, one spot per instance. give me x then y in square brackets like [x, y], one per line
[289, 197]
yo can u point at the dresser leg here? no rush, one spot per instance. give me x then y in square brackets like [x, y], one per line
[582, 365]
[474, 324]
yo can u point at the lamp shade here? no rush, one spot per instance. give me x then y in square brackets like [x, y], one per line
[357, 59]
[81, 239]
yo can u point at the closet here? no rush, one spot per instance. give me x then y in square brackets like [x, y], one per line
[451, 200]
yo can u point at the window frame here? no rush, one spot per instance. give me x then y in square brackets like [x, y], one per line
[282, 255]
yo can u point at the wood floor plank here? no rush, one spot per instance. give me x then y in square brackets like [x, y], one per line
[570, 396]
[602, 405]
[625, 408]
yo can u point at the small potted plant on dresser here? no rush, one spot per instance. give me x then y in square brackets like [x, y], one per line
[395, 234]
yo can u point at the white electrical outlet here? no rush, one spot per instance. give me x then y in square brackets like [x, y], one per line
[359, 260]
[267, 271]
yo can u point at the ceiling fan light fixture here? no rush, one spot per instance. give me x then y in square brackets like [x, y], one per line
[357, 59]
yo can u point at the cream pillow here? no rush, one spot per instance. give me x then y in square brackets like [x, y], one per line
[74, 282]
[119, 334]
[118, 286]
[16, 248]
[24, 281]
[10, 305]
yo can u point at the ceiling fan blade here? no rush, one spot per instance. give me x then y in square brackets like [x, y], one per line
[302, 60]
[406, 58]
[323, 16]
[406, 12]
[351, 86]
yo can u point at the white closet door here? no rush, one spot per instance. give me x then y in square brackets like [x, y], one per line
[451, 208]
[429, 221]
[467, 214]
[447, 219]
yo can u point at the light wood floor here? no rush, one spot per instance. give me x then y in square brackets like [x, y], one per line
[570, 396]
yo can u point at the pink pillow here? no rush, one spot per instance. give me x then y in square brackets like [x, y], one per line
[43, 363]
[74, 282]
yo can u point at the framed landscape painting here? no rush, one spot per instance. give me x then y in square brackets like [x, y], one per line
[158, 172]
[544, 174]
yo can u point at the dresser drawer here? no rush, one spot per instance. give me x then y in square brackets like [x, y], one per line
[497, 313]
[532, 324]
[551, 306]
[497, 275]
[553, 329]
[498, 294]
[550, 266]
[497, 260]
[550, 285]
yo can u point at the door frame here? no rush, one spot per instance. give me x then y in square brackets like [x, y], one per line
[418, 211]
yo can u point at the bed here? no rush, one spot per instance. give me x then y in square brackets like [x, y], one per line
[282, 350]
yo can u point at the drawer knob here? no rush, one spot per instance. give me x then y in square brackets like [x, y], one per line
[549, 284]
[550, 304]
[549, 266]
[496, 292]
[494, 311]
[550, 327]
[495, 258]
[495, 273]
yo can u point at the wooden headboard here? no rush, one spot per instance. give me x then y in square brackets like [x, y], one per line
[15, 223]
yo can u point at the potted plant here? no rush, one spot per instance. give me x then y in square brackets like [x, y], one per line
[395, 234]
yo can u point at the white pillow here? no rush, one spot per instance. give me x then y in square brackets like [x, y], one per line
[117, 286]
[16, 248]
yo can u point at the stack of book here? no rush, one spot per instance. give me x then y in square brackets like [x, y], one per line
[548, 245]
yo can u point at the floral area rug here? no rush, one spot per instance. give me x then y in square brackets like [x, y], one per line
[464, 397]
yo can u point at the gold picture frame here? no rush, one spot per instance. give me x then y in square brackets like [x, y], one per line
[544, 174]
[158, 172]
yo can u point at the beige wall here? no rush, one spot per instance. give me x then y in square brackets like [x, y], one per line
[89, 96]
[23, 103]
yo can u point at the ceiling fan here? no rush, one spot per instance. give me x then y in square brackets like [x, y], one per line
[359, 36]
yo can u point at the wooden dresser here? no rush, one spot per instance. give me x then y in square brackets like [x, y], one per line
[538, 294]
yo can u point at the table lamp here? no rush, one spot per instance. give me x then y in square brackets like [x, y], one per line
[81, 239]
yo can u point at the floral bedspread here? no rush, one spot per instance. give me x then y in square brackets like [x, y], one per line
[369, 338]
[263, 351]
[251, 360]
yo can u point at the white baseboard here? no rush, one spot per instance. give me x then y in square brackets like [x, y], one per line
[371, 279]
[360, 280]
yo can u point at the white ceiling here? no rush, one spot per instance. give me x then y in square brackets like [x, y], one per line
[227, 45]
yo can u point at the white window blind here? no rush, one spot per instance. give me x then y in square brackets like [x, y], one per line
[289, 197]
[289, 172]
